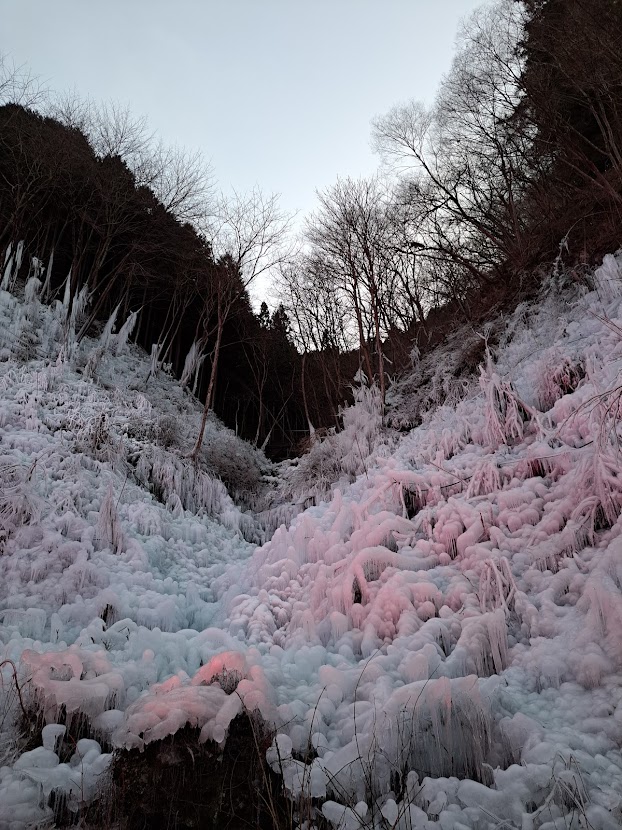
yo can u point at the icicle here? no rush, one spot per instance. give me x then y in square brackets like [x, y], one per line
[12, 267]
[18, 257]
[190, 364]
[6, 279]
[109, 327]
[265, 441]
[67, 291]
[36, 267]
[32, 289]
[45, 291]
[155, 357]
[80, 303]
[109, 525]
[124, 333]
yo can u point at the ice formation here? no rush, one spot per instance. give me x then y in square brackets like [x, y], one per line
[435, 632]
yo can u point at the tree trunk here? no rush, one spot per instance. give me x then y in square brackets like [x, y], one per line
[305, 402]
[210, 392]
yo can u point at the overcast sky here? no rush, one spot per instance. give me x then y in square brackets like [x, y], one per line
[278, 93]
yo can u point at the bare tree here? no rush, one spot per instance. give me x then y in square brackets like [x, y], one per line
[18, 85]
[71, 110]
[116, 131]
[321, 328]
[465, 164]
[349, 239]
[182, 180]
[111, 127]
[250, 239]
[409, 292]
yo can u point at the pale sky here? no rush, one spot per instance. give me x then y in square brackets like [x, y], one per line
[276, 93]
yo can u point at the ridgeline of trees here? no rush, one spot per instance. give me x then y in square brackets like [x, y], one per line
[516, 167]
[97, 208]
[515, 172]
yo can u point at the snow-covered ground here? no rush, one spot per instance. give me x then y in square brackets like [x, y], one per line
[445, 631]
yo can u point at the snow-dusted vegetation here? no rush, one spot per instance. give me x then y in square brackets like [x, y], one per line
[434, 641]
[397, 603]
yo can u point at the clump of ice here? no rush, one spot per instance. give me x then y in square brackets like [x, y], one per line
[435, 637]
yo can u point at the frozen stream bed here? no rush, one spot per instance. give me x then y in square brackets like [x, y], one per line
[445, 631]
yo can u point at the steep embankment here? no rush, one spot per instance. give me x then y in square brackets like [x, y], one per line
[438, 643]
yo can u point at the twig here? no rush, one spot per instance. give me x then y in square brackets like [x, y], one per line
[10, 663]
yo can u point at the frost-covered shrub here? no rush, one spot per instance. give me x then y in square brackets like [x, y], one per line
[27, 343]
[506, 414]
[71, 319]
[559, 375]
[235, 463]
[93, 361]
[311, 477]
[167, 430]
[273, 517]
[18, 504]
[442, 375]
[341, 456]
[226, 670]
[22, 327]
[440, 728]
[108, 342]
[600, 490]
[171, 476]
[95, 438]
[140, 429]
[485, 479]
[192, 364]
[607, 278]
[109, 531]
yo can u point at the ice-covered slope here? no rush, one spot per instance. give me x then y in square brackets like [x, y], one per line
[103, 521]
[439, 643]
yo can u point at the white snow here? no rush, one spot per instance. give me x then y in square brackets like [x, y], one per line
[443, 625]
